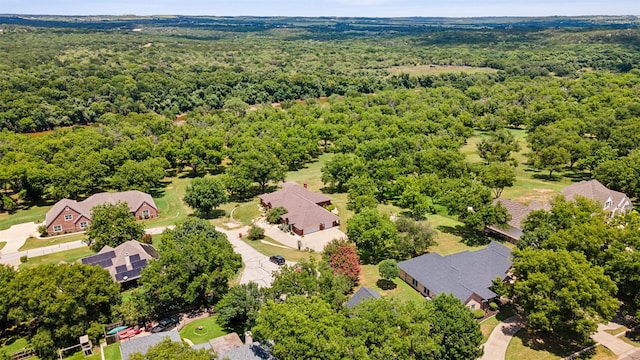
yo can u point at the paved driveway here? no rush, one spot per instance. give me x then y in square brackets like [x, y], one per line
[257, 267]
[496, 346]
[315, 241]
[16, 236]
[611, 342]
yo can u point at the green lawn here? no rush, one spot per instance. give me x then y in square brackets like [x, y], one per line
[80, 356]
[202, 330]
[14, 346]
[487, 325]
[169, 203]
[2, 244]
[35, 213]
[288, 253]
[112, 352]
[524, 346]
[34, 243]
[68, 256]
[369, 277]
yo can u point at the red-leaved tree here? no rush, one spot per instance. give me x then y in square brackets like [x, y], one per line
[343, 259]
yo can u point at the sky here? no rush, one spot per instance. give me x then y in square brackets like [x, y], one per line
[351, 8]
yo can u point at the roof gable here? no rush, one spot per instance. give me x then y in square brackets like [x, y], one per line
[115, 259]
[142, 344]
[461, 274]
[361, 295]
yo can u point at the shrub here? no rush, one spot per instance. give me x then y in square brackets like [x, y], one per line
[478, 313]
[255, 233]
[24, 258]
[146, 239]
[8, 204]
[388, 269]
[42, 229]
[493, 306]
[274, 214]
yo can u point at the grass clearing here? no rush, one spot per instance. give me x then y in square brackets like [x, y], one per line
[288, 253]
[35, 243]
[369, 277]
[202, 330]
[68, 256]
[34, 214]
[14, 346]
[438, 69]
[169, 203]
[527, 346]
[2, 244]
[112, 352]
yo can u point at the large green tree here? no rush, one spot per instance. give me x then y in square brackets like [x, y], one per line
[169, 350]
[238, 309]
[456, 330]
[55, 304]
[374, 235]
[560, 292]
[112, 224]
[205, 194]
[194, 267]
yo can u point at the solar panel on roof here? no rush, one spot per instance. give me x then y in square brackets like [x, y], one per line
[100, 257]
[121, 268]
[135, 257]
[104, 263]
[131, 274]
[139, 264]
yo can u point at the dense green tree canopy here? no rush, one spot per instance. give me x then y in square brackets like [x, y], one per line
[205, 194]
[169, 350]
[238, 309]
[194, 267]
[112, 224]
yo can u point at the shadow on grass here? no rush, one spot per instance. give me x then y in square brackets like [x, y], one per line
[213, 214]
[469, 237]
[385, 284]
[542, 341]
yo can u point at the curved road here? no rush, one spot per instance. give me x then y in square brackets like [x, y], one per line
[257, 267]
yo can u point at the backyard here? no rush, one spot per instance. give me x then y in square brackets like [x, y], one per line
[202, 330]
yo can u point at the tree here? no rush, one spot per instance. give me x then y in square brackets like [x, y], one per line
[259, 166]
[112, 225]
[205, 194]
[561, 292]
[144, 175]
[497, 176]
[303, 328]
[498, 146]
[375, 236]
[274, 215]
[340, 169]
[238, 309]
[133, 309]
[255, 233]
[7, 273]
[414, 238]
[61, 302]
[169, 350]
[194, 267]
[388, 269]
[459, 335]
[552, 158]
[343, 258]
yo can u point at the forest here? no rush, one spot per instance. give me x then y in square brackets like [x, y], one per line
[99, 104]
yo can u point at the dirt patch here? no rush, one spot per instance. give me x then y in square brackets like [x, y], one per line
[437, 69]
[543, 196]
[232, 225]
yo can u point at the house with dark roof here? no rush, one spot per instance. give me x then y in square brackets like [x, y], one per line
[361, 295]
[124, 262]
[611, 201]
[305, 209]
[468, 275]
[512, 230]
[230, 347]
[68, 216]
[142, 344]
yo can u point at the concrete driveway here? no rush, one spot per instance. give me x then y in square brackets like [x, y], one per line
[16, 236]
[496, 346]
[315, 241]
[257, 267]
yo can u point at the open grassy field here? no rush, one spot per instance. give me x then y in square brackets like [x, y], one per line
[35, 213]
[524, 347]
[68, 256]
[34, 243]
[288, 253]
[112, 352]
[438, 69]
[369, 277]
[202, 330]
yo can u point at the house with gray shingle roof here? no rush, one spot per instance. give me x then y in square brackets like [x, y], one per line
[361, 295]
[468, 275]
[125, 262]
[143, 343]
[305, 209]
[611, 201]
[68, 216]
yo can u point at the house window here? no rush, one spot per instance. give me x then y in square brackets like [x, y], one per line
[68, 217]
[414, 282]
[473, 306]
[145, 212]
[83, 225]
[425, 291]
[608, 203]
[57, 228]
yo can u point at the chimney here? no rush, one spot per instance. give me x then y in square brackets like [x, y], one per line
[305, 185]
[127, 260]
[248, 338]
